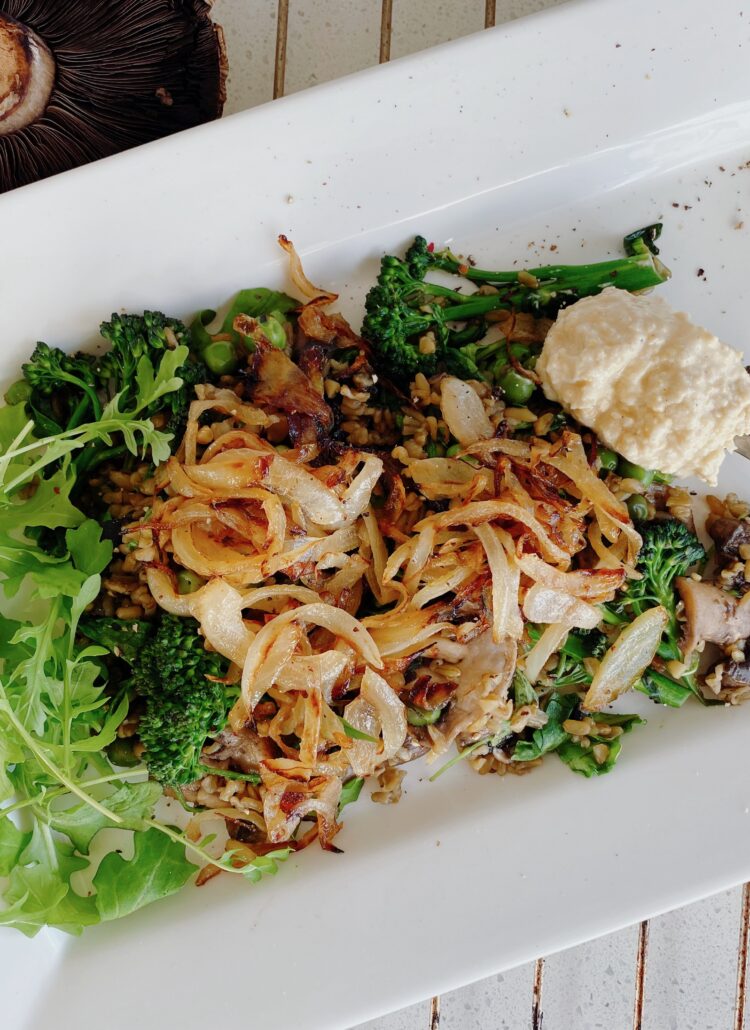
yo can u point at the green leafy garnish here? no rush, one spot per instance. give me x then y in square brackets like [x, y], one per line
[523, 692]
[350, 792]
[354, 733]
[157, 869]
[583, 761]
[490, 742]
[550, 736]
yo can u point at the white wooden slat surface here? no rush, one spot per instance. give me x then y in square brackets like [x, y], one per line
[691, 971]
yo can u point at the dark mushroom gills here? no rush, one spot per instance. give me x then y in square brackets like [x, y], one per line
[87, 78]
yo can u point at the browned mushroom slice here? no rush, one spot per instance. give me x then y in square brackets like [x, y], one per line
[244, 750]
[82, 79]
[735, 675]
[729, 535]
[712, 615]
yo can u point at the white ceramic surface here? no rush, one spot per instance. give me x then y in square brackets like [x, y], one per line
[521, 867]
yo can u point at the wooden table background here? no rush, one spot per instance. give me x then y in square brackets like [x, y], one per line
[687, 978]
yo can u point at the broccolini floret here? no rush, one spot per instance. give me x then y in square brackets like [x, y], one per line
[669, 550]
[63, 388]
[184, 704]
[134, 337]
[406, 319]
[411, 322]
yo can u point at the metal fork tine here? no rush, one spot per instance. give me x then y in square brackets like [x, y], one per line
[282, 30]
[386, 30]
[742, 443]
[537, 1015]
[739, 1005]
[640, 975]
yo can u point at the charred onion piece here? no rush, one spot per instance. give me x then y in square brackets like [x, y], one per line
[87, 78]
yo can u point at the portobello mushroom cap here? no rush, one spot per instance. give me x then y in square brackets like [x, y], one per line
[83, 79]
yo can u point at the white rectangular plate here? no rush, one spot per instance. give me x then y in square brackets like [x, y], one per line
[567, 129]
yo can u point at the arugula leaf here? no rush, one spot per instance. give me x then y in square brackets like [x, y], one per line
[10, 755]
[101, 740]
[12, 843]
[56, 716]
[89, 553]
[39, 889]
[550, 736]
[133, 802]
[48, 506]
[265, 865]
[157, 869]
[12, 423]
[350, 792]
[138, 433]
[51, 576]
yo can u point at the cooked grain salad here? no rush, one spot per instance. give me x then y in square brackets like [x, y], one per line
[252, 563]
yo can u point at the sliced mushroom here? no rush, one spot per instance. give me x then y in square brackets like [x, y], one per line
[244, 750]
[729, 535]
[735, 675]
[712, 615]
[82, 79]
[478, 708]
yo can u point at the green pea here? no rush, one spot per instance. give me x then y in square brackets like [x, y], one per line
[18, 393]
[453, 450]
[638, 508]
[524, 354]
[422, 716]
[517, 388]
[188, 582]
[608, 459]
[199, 335]
[282, 448]
[120, 752]
[221, 358]
[433, 449]
[273, 329]
[519, 351]
[629, 470]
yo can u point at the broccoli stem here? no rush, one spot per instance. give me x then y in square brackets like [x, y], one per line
[637, 271]
[90, 395]
[79, 412]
